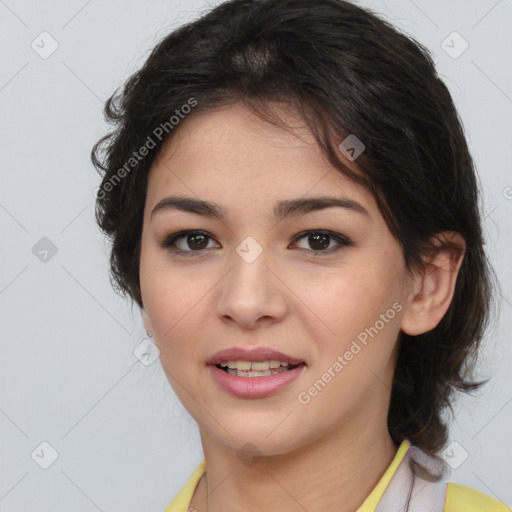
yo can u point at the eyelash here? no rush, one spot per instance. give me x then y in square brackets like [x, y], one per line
[169, 241]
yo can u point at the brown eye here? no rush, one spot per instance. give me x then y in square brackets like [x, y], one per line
[320, 240]
[191, 241]
[197, 241]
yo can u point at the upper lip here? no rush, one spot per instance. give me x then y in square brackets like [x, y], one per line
[255, 354]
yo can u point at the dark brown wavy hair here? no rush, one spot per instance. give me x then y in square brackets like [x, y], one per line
[345, 71]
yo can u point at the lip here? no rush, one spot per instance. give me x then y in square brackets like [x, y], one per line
[254, 387]
[256, 354]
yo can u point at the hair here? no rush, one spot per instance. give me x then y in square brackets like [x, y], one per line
[345, 71]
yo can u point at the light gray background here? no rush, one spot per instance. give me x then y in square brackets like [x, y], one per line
[68, 372]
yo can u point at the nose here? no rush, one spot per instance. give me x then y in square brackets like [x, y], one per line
[251, 293]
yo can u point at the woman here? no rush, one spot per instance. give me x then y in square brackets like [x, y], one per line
[293, 207]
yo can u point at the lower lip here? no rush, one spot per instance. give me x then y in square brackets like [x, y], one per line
[254, 387]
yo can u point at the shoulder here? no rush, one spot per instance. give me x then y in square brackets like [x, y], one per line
[460, 498]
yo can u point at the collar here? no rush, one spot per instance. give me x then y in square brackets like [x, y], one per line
[371, 502]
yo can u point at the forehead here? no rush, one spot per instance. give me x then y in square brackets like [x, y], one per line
[231, 153]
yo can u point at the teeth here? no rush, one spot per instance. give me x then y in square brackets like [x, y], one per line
[258, 366]
[244, 365]
[266, 373]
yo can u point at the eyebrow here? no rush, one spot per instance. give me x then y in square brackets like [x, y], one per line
[282, 209]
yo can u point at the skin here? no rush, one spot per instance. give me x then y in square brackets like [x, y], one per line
[326, 455]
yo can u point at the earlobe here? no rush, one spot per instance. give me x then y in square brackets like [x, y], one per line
[435, 287]
[146, 321]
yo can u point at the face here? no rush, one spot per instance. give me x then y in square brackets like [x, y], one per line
[323, 285]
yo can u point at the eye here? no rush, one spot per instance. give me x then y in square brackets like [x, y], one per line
[197, 241]
[320, 239]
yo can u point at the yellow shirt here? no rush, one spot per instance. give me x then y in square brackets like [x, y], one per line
[459, 498]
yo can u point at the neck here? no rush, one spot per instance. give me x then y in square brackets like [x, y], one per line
[336, 472]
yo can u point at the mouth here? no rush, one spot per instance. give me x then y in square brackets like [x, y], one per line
[256, 368]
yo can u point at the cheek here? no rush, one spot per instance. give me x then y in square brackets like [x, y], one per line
[351, 298]
[167, 300]
[168, 291]
[359, 312]
[177, 302]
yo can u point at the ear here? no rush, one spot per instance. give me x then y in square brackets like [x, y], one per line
[433, 290]
[146, 321]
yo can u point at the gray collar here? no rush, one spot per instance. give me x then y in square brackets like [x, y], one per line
[418, 485]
